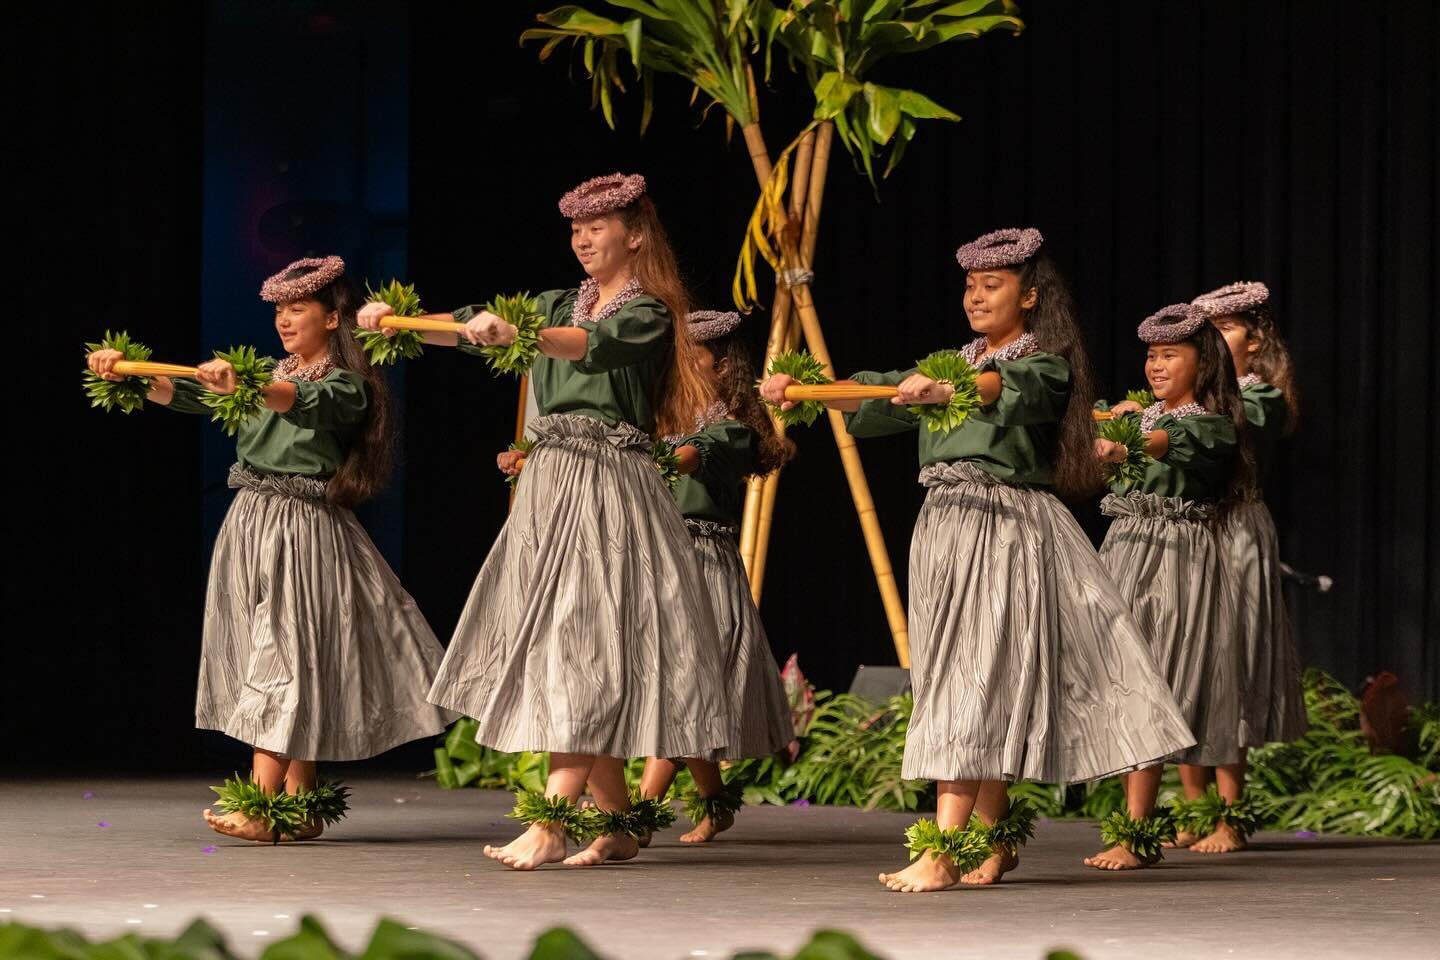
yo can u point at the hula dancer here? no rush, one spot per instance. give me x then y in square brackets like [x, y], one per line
[312, 650]
[589, 604]
[1163, 553]
[1274, 709]
[1025, 661]
[726, 442]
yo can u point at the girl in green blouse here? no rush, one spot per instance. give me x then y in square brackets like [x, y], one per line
[726, 442]
[1025, 661]
[1274, 708]
[589, 610]
[1163, 553]
[312, 650]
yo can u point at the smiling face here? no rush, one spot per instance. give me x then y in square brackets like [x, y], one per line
[304, 327]
[603, 246]
[1241, 340]
[994, 303]
[1171, 369]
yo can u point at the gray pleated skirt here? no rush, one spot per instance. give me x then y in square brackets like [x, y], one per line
[1165, 557]
[1274, 707]
[312, 648]
[759, 709]
[1025, 661]
[586, 630]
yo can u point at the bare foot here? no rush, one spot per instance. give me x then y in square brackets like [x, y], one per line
[995, 867]
[925, 874]
[1116, 858]
[310, 831]
[239, 826]
[1223, 840]
[542, 843]
[612, 846]
[1183, 839]
[709, 828]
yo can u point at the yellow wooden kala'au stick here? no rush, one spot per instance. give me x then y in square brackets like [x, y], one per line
[144, 368]
[428, 324]
[838, 391]
[1101, 415]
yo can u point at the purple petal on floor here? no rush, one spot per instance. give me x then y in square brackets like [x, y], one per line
[87, 795]
[103, 823]
[209, 849]
[802, 802]
[1306, 834]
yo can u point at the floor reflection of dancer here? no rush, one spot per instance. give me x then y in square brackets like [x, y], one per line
[312, 650]
[1024, 659]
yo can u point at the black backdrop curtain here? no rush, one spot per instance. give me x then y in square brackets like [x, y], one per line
[1163, 150]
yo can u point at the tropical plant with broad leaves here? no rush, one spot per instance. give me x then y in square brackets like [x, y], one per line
[706, 42]
[836, 43]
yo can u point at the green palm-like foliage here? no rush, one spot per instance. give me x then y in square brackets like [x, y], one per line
[836, 43]
[383, 350]
[252, 374]
[805, 369]
[1143, 397]
[126, 395]
[948, 366]
[1144, 837]
[966, 848]
[282, 813]
[1125, 430]
[667, 462]
[707, 42]
[523, 311]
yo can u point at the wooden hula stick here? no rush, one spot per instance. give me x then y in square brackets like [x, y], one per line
[426, 324]
[144, 368]
[838, 391]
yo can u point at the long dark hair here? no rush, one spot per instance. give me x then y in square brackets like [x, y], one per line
[736, 382]
[683, 389]
[1271, 361]
[1052, 320]
[1217, 391]
[368, 461]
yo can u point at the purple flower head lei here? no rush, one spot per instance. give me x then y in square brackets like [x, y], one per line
[602, 195]
[280, 290]
[1243, 297]
[1171, 324]
[1000, 248]
[707, 325]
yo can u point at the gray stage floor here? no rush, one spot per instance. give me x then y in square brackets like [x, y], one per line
[412, 852]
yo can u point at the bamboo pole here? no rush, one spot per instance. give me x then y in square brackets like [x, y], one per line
[750, 516]
[144, 368]
[781, 331]
[809, 231]
[849, 455]
[1101, 415]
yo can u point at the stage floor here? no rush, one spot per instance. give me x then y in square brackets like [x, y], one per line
[412, 852]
